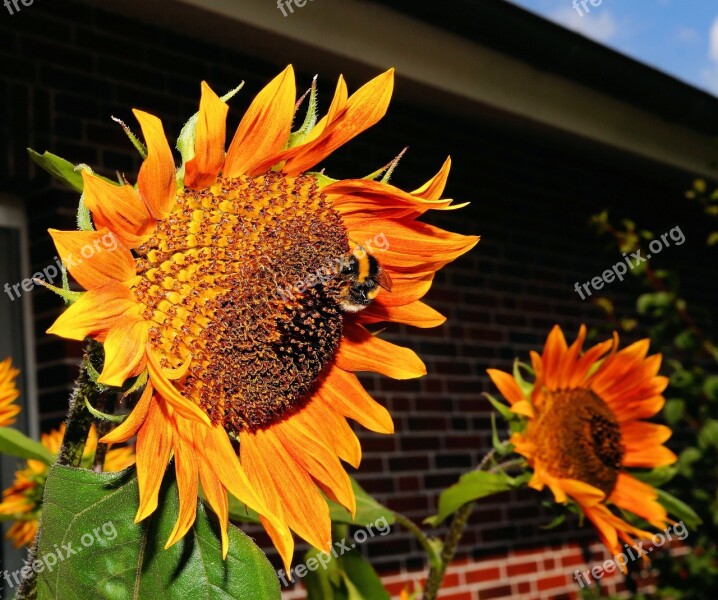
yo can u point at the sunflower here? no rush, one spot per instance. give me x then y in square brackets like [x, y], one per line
[8, 393]
[584, 429]
[217, 289]
[23, 499]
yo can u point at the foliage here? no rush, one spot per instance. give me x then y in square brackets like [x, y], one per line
[681, 331]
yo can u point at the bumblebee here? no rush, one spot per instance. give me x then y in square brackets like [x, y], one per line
[363, 277]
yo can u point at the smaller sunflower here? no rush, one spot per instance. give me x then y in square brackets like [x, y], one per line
[8, 393]
[23, 499]
[584, 429]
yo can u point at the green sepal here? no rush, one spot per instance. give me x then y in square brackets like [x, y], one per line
[322, 179]
[310, 120]
[104, 416]
[64, 292]
[185, 141]
[84, 220]
[679, 509]
[525, 386]
[139, 146]
[15, 443]
[387, 169]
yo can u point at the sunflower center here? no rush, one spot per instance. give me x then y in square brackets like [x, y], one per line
[232, 279]
[579, 438]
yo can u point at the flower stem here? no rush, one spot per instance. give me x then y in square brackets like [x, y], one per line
[77, 428]
[412, 527]
[457, 527]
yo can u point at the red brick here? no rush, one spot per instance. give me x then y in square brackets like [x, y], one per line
[523, 568]
[549, 583]
[481, 575]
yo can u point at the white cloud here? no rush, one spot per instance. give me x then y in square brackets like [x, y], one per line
[598, 24]
[710, 74]
[687, 35]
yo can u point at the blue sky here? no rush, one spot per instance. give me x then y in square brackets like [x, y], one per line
[679, 37]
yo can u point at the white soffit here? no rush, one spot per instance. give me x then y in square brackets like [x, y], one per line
[373, 37]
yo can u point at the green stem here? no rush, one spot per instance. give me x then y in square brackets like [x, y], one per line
[77, 428]
[457, 527]
[412, 527]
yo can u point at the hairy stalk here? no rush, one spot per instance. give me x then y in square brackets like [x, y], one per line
[77, 428]
[412, 527]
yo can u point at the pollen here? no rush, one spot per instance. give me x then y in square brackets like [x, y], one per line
[578, 437]
[228, 282]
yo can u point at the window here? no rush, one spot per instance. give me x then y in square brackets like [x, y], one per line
[16, 339]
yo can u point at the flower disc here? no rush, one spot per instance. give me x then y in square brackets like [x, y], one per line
[216, 279]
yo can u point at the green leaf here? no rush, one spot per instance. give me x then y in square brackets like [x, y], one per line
[322, 179]
[686, 459]
[674, 410]
[710, 387]
[324, 581]
[679, 509]
[59, 168]
[471, 486]
[360, 578]
[118, 559]
[712, 239]
[555, 522]
[708, 435]
[15, 443]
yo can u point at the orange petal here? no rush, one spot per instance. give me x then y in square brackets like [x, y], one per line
[332, 428]
[341, 391]
[183, 406]
[316, 459]
[217, 499]
[94, 258]
[157, 178]
[406, 288]
[364, 108]
[208, 159]
[134, 420]
[265, 127]
[118, 208]
[153, 448]
[186, 468]
[434, 188]
[362, 351]
[639, 498]
[413, 246]
[95, 313]
[124, 349]
[269, 468]
[507, 386]
[414, 313]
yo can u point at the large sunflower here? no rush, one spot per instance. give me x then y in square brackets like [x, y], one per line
[23, 499]
[584, 429]
[215, 289]
[8, 393]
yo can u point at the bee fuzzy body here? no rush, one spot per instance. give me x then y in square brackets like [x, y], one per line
[363, 277]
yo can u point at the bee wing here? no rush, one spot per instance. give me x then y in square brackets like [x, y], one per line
[383, 279]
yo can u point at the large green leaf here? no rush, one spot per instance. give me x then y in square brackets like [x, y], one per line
[472, 486]
[16, 443]
[117, 559]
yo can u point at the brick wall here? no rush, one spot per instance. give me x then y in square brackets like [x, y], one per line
[68, 68]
